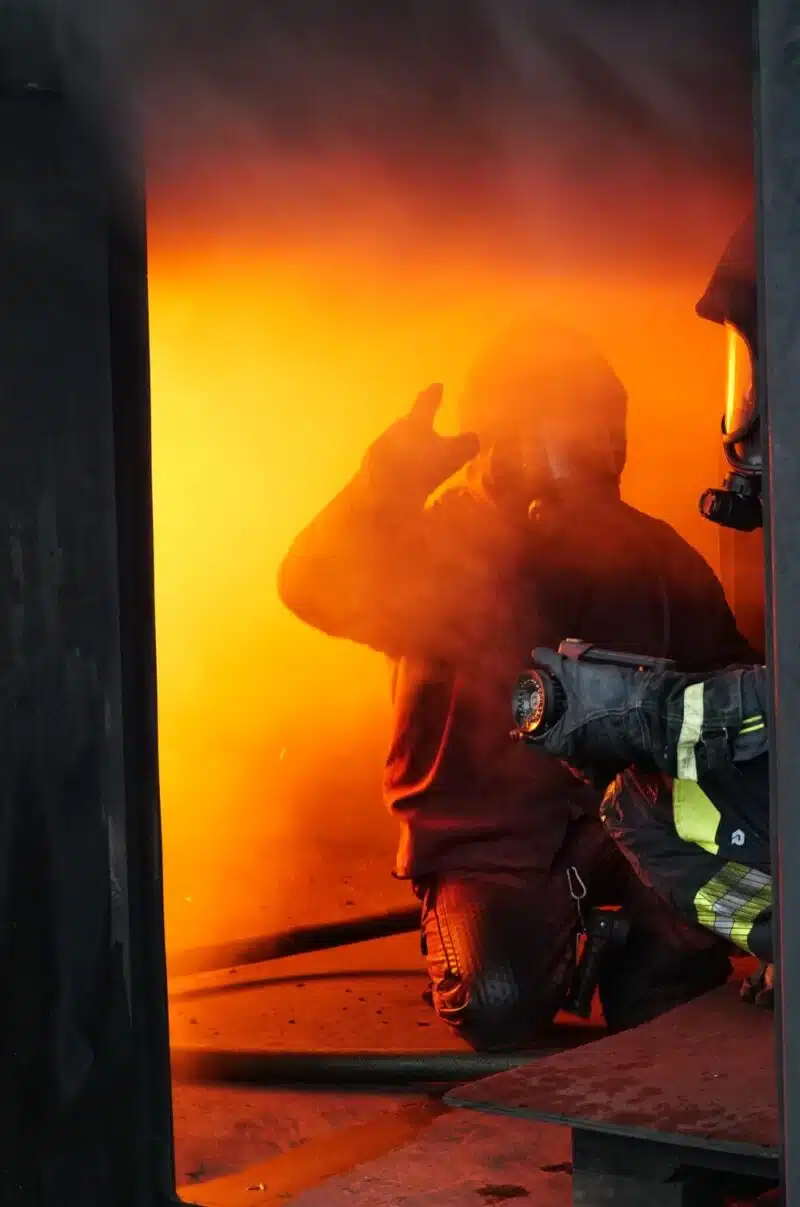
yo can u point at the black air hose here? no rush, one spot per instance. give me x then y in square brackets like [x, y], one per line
[204, 1066]
[301, 940]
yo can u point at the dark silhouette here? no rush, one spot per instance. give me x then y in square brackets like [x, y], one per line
[529, 544]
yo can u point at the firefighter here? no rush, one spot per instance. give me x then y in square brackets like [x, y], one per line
[690, 806]
[444, 579]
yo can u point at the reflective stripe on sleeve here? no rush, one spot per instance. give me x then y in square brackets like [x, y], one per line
[752, 725]
[691, 728]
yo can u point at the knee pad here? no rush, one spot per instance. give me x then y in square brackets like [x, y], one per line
[490, 1011]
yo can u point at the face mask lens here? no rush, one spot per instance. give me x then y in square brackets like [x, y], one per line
[740, 403]
[739, 385]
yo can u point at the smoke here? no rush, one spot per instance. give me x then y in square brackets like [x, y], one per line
[669, 74]
[357, 72]
[346, 198]
[451, 109]
[443, 109]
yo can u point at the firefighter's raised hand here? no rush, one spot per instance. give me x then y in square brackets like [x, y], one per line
[410, 457]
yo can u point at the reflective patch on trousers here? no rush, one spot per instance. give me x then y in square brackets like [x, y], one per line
[732, 901]
[696, 816]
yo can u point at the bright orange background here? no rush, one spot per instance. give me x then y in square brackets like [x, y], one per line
[277, 356]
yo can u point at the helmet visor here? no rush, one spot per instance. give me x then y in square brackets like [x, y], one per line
[742, 436]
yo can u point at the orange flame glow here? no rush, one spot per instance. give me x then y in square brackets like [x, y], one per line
[272, 370]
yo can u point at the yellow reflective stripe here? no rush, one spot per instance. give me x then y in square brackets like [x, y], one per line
[756, 717]
[691, 729]
[705, 901]
[731, 902]
[752, 728]
[696, 817]
[744, 918]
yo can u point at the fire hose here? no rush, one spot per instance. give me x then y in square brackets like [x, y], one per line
[537, 702]
[204, 1065]
[301, 940]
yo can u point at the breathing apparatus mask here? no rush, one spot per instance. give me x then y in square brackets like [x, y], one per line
[550, 413]
[730, 300]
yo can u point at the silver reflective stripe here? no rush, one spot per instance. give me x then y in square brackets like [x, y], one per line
[732, 901]
[691, 729]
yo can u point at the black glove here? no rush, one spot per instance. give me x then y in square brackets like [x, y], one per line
[605, 721]
[759, 989]
[410, 459]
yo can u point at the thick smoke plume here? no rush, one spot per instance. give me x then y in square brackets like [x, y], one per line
[449, 103]
[346, 198]
[598, 79]
[353, 71]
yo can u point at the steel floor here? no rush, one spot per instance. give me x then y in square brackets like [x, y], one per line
[420, 1156]
[703, 1074]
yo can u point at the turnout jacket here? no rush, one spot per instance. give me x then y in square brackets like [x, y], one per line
[456, 595]
[690, 809]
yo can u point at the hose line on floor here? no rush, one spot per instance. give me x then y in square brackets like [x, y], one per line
[212, 1066]
[301, 940]
[215, 1066]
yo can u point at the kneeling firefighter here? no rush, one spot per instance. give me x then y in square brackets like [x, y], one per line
[690, 806]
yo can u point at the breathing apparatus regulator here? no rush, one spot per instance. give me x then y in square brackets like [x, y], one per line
[730, 300]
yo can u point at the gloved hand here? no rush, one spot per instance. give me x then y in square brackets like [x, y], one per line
[759, 989]
[409, 460]
[604, 722]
